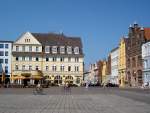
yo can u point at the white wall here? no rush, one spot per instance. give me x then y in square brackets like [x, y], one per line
[114, 66]
[6, 57]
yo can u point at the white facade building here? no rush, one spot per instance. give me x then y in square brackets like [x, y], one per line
[114, 65]
[146, 63]
[93, 74]
[5, 61]
[56, 57]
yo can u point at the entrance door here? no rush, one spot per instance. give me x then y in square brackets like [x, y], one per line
[58, 79]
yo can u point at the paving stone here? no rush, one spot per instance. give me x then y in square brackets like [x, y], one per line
[78, 101]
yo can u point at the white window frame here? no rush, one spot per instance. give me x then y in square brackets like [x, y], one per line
[69, 49]
[76, 50]
[17, 48]
[47, 49]
[62, 49]
[30, 48]
[54, 68]
[62, 68]
[30, 67]
[47, 68]
[16, 67]
[37, 48]
[23, 48]
[54, 49]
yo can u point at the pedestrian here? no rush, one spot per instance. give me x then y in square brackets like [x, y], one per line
[87, 85]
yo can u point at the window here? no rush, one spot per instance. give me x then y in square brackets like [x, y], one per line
[17, 58]
[6, 69]
[47, 59]
[69, 59]
[16, 67]
[69, 68]
[37, 68]
[23, 48]
[78, 80]
[139, 60]
[62, 68]
[1, 45]
[54, 68]
[76, 68]
[62, 49]
[26, 58]
[30, 67]
[30, 58]
[69, 50]
[30, 48]
[1, 61]
[17, 48]
[47, 49]
[6, 61]
[1, 53]
[76, 59]
[54, 59]
[62, 59]
[6, 46]
[6, 53]
[145, 64]
[76, 50]
[23, 58]
[37, 49]
[54, 49]
[133, 62]
[46, 68]
[27, 40]
[37, 59]
[23, 67]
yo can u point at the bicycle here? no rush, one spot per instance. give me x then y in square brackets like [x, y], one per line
[38, 90]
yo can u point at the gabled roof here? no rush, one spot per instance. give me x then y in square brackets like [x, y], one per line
[147, 33]
[114, 49]
[51, 39]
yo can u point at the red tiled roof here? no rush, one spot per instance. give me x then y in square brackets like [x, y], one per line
[147, 33]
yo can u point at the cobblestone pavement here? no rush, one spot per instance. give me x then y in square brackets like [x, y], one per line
[79, 100]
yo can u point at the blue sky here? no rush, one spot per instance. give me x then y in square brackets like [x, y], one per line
[100, 23]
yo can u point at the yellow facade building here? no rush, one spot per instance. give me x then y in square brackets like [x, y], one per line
[122, 62]
[46, 56]
[104, 72]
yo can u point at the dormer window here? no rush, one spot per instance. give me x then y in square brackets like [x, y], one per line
[76, 50]
[47, 49]
[69, 50]
[62, 50]
[54, 49]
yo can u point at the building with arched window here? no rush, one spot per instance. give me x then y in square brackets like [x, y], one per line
[56, 56]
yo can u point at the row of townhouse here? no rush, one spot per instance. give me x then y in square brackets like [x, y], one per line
[128, 64]
[131, 49]
[127, 59]
[132, 58]
[55, 58]
[99, 72]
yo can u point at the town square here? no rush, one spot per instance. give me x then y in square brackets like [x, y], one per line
[74, 56]
[79, 100]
